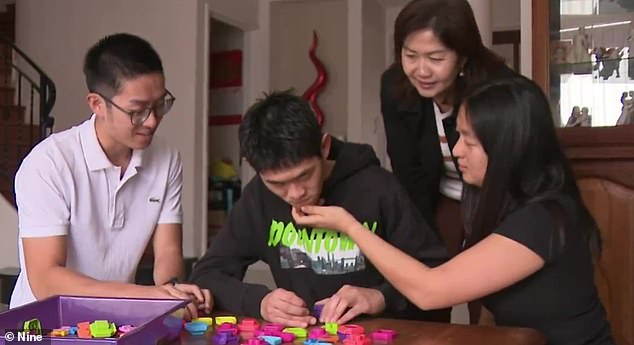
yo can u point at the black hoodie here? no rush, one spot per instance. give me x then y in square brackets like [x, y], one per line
[316, 263]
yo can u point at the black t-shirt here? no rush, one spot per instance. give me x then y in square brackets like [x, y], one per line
[560, 300]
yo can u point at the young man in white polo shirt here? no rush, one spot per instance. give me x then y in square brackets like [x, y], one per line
[91, 198]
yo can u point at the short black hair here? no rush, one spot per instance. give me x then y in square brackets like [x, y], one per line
[279, 131]
[116, 58]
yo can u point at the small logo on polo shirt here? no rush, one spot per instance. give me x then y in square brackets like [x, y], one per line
[155, 199]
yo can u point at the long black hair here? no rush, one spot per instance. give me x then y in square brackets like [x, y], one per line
[511, 118]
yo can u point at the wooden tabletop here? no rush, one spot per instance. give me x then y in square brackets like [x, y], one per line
[429, 333]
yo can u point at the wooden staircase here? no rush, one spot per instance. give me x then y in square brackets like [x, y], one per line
[25, 103]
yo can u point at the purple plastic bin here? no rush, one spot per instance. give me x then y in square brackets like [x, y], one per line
[152, 318]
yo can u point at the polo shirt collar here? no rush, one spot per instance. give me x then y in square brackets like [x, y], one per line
[94, 155]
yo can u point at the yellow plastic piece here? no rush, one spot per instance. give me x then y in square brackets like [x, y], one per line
[59, 332]
[208, 320]
[226, 319]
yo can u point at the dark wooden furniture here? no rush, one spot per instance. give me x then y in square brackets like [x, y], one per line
[603, 161]
[419, 333]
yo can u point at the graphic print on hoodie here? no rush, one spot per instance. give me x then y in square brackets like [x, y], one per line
[324, 251]
[316, 263]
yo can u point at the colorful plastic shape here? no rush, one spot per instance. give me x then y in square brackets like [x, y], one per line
[329, 339]
[273, 327]
[271, 340]
[208, 320]
[357, 339]
[383, 335]
[33, 326]
[248, 325]
[315, 342]
[196, 328]
[83, 330]
[317, 308]
[102, 329]
[59, 332]
[316, 333]
[72, 330]
[126, 328]
[225, 338]
[287, 337]
[226, 319]
[298, 332]
[331, 328]
[255, 341]
[351, 329]
[228, 328]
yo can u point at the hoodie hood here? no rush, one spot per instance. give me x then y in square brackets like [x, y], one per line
[349, 159]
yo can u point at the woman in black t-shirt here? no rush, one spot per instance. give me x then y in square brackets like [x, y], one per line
[530, 237]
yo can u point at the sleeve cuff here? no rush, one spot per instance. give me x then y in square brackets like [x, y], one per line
[253, 298]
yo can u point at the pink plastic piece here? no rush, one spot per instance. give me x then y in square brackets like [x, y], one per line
[316, 333]
[227, 328]
[384, 335]
[248, 325]
[357, 339]
[125, 328]
[273, 327]
[287, 337]
[255, 341]
[351, 329]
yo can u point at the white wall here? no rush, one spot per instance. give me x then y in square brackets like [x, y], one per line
[56, 34]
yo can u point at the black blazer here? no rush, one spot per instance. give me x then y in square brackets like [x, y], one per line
[413, 144]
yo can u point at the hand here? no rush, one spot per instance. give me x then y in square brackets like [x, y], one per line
[327, 217]
[349, 302]
[200, 298]
[285, 307]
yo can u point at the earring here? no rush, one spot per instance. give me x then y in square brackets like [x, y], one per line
[461, 74]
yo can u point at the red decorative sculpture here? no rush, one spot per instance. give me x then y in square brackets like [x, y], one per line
[313, 91]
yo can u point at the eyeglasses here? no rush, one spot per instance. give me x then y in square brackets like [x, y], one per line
[160, 108]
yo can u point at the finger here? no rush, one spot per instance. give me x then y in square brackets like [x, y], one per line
[187, 315]
[323, 301]
[177, 293]
[339, 310]
[290, 298]
[290, 309]
[349, 315]
[193, 310]
[290, 320]
[209, 301]
[191, 290]
[329, 307]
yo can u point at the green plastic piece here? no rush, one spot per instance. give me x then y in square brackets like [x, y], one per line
[102, 329]
[299, 332]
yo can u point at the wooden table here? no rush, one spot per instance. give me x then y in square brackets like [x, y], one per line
[429, 333]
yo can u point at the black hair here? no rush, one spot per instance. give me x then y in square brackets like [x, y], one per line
[453, 23]
[511, 118]
[279, 131]
[117, 58]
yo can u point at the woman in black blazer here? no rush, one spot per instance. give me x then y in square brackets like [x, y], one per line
[438, 54]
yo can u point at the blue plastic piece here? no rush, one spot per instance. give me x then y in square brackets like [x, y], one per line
[196, 328]
[271, 340]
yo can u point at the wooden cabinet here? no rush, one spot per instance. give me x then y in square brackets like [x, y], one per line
[603, 161]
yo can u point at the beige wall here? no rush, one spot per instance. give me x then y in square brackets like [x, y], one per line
[374, 62]
[292, 23]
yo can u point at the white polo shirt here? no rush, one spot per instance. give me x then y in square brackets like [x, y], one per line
[67, 186]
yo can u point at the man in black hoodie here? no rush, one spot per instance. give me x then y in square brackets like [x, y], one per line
[298, 165]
